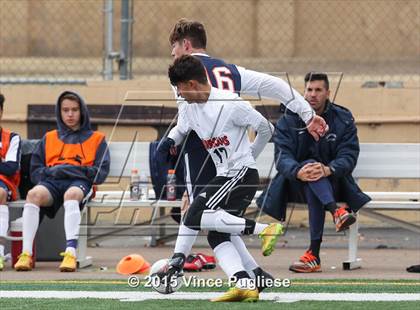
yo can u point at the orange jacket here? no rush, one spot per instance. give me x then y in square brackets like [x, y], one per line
[82, 154]
[12, 182]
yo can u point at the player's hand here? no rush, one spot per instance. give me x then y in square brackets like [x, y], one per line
[317, 127]
[311, 172]
[166, 146]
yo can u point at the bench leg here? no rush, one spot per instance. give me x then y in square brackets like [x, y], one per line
[83, 260]
[353, 262]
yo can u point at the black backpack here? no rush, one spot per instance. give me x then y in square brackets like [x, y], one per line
[27, 148]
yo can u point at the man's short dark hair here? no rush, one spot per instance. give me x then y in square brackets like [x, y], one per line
[1, 101]
[317, 76]
[191, 30]
[186, 68]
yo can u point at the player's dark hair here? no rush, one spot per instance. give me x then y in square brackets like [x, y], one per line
[191, 30]
[186, 68]
[1, 101]
[317, 76]
[71, 97]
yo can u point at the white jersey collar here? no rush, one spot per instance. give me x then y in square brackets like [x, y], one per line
[200, 54]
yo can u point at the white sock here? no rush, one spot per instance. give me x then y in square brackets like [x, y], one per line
[4, 220]
[248, 261]
[228, 258]
[185, 240]
[259, 228]
[222, 221]
[4, 225]
[71, 250]
[72, 219]
[30, 226]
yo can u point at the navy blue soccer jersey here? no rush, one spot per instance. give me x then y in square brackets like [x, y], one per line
[220, 74]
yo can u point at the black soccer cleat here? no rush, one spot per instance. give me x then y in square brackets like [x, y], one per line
[263, 279]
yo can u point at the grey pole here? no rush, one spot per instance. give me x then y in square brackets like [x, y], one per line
[124, 59]
[108, 39]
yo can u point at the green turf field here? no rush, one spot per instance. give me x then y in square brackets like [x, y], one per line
[336, 287]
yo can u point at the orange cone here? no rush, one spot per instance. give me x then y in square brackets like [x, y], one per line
[145, 268]
[131, 264]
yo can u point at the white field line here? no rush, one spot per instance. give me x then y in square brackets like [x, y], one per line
[279, 297]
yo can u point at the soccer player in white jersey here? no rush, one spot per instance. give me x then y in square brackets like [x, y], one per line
[221, 119]
[189, 37]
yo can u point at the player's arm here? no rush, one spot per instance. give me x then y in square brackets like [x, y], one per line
[285, 147]
[38, 169]
[12, 159]
[245, 116]
[267, 86]
[177, 133]
[100, 169]
[347, 152]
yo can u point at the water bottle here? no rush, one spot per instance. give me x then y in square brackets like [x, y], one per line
[144, 189]
[135, 185]
[171, 185]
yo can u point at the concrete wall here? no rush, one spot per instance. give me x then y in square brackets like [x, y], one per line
[384, 115]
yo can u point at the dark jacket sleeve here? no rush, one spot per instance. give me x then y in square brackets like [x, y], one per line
[347, 152]
[38, 168]
[285, 150]
[100, 169]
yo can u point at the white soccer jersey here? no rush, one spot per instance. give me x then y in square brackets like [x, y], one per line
[13, 152]
[222, 124]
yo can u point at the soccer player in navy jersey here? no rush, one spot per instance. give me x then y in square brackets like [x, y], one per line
[189, 37]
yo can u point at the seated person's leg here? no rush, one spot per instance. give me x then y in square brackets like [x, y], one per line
[72, 216]
[309, 261]
[323, 190]
[39, 196]
[73, 196]
[316, 220]
[4, 220]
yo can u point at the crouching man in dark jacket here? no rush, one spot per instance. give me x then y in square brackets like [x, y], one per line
[319, 172]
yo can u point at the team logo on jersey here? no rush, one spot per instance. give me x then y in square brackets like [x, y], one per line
[216, 142]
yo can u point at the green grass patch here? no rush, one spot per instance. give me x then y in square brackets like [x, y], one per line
[298, 285]
[63, 304]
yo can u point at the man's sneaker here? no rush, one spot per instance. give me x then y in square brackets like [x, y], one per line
[269, 238]
[263, 279]
[238, 294]
[343, 219]
[69, 262]
[193, 263]
[209, 262]
[1, 263]
[24, 262]
[307, 263]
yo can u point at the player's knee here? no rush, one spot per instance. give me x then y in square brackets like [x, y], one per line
[3, 196]
[73, 193]
[215, 238]
[192, 217]
[36, 196]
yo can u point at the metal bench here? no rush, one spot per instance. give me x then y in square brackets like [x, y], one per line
[376, 161]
